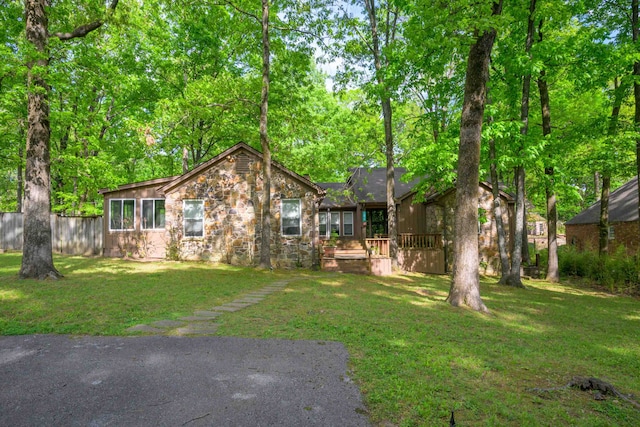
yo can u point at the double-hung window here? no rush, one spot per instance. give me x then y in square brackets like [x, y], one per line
[122, 214]
[291, 215]
[153, 214]
[322, 227]
[347, 223]
[335, 223]
[193, 218]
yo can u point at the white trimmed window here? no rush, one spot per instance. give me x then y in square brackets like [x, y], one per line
[153, 214]
[335, 223]
[347, 223]
[612, 233]
[291, 215]
[122, 214]
[322, 227]
[193, 218]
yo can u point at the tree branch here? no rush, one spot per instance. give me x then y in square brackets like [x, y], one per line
[242, 11]
[83, 30]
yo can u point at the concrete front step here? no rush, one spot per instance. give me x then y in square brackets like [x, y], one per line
[353, 266]
[351, 251]
[349, 244]
[380, 266]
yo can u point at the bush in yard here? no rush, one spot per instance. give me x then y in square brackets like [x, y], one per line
[619, 271]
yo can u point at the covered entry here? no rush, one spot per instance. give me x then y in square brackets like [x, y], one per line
[375, 222]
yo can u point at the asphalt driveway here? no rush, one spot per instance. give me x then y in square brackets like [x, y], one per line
[175, 381]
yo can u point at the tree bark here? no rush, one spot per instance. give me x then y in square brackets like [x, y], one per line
[37, 254]
[465, 286]
[635, 32]
[185, 160]
[392, 220]
[553, 273]
[526, 257]
[603, 223]
[265, 245]
[497, 214]
[514, 278]
[387, 117]
[20, 182]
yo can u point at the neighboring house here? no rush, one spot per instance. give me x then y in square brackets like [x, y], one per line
[583, 232]
[214, 213]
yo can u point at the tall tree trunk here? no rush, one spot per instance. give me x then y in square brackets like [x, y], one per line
[514, 278]
[37, 253]
[635, 32]
[392, 220]
[20, 182]
[603, 224]
[385, 98]
[185, 160]
[497, 214]
[553, 273]
[526, 257]
[265, 246]
[465, 286]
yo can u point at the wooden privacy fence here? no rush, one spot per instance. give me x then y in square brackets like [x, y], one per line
[71, 235]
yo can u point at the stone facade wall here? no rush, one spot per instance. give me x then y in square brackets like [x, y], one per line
[440, 219]
[584, 237]
[232, 215]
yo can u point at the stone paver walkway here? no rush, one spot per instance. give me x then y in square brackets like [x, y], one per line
[203, 322]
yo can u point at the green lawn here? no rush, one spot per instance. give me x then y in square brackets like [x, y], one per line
[414, 357]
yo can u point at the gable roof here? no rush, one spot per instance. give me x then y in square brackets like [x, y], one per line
[158, 182]
[432, 194]
[623, 206]
[368, 185]
[169, 183]
[336, 196]
[241, 146]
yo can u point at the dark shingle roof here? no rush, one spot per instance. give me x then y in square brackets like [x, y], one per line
[623, 206]
[369, 185]
[336, 195]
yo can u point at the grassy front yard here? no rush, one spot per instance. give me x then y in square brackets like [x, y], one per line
[415, 357]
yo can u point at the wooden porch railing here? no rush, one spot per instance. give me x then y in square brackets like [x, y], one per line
[378, 246]
[420, 241]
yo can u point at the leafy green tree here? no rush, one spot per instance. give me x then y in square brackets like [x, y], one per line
[465, 286]
[370, 39]
[37, 259]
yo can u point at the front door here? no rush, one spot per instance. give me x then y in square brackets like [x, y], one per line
[376, 223]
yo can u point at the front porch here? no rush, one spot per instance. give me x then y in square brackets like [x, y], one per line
[416, 253]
